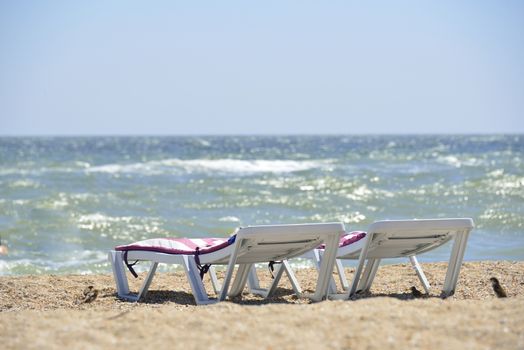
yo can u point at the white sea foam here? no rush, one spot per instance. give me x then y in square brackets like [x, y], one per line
[174, 165]
[508, 185]
[82, 164]
[71, 261]
[83, 196]
[25, 183]
[17, 171]
[36, 171]
[229, 219]
[450, 160]
[237, 166]
[460, 162]
[495, 173]
[151, 168]
[247, 166]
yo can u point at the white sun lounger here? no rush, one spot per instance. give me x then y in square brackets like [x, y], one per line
[249, 245]
[408, 238]
[396, 239]
[350, 242]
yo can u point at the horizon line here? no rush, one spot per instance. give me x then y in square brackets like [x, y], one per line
[261, 134]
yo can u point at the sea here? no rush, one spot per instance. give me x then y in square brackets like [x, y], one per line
[66, 201]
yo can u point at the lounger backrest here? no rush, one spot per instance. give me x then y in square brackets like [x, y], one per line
[402, 238]
[276, 242]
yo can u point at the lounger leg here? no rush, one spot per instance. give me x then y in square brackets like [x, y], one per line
[254, 284]
[214, 280]
[142, 293]
[420, 273]
[229, 271]
[240, 280]
[317, 259]
[325, 274]
[278, 275]
[193, 276]
[360, 265]
[455, 262]
[342, 274]
[368, 275]
[117, 263]
[292, 278]
[252, 280]
[266, 293]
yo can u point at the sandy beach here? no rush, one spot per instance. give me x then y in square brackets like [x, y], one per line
[50, 311]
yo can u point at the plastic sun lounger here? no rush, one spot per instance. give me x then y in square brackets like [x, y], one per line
[396, 239]
[356, 240]
[408, 238]
[247, 246]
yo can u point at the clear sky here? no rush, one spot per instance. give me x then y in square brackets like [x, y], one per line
[261, 67]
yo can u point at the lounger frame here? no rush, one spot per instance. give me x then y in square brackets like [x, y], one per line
[253, 244]
[397, 239]
[408, 238]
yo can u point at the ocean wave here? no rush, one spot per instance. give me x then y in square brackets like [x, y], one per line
[36, 171]
[236, 166]
[458, 162]
[229, 219]
[174, 166]
[27, 183]
[76, 261]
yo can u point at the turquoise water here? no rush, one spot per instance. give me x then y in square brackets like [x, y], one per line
[65, 201]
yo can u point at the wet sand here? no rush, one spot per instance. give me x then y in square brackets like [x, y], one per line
[51, 311]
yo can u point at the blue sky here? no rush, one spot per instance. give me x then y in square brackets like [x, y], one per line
[266, 67]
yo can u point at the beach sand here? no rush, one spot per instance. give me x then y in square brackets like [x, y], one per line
[48, 311]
